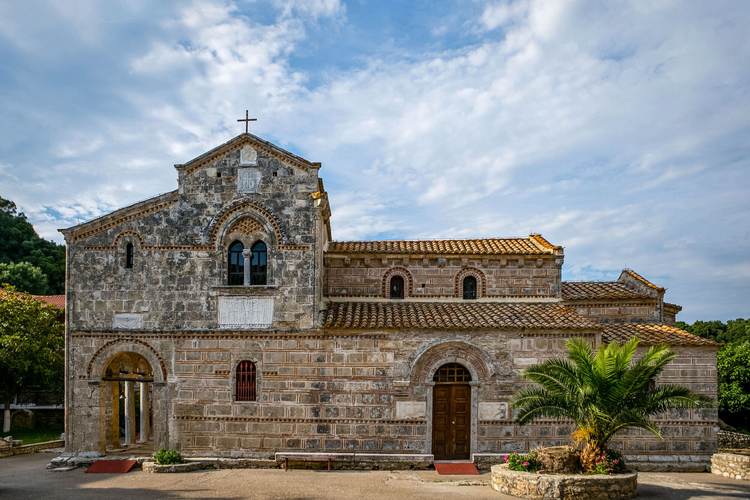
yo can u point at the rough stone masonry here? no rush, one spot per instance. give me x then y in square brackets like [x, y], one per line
[377, 347]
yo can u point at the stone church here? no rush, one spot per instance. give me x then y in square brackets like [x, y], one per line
[229, 324]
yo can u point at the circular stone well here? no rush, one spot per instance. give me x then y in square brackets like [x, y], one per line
[564, 486]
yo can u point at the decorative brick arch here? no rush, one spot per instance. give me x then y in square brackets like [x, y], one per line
[458, 286]
[101, 357]
[397, 271]
[135, 234]
[237, 211]
[427, 362]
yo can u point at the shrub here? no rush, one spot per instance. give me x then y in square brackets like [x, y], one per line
[517, 462]
[609, 462]
[169, 457]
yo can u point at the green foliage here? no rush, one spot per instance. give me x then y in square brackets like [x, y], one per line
[734, 331]
[524, 463]
[733, 365]
[32, 341]
[611, 461]
[24, 277]
[169, 457]
[603, 392]
[20, 243]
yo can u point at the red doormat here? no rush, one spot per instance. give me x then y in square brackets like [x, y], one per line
[112, 466]
[453, 468]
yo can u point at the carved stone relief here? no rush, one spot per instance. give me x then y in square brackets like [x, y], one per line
[245, 312]
[128, 321]
[248, 156]
[248, 180]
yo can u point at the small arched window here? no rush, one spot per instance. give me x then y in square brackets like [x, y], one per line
[397, 287]
[470, 288]
[129, 255]
[236, 274]
[245, 381]
[258, 264]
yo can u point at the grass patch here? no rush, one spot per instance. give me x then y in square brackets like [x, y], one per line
[32, 436]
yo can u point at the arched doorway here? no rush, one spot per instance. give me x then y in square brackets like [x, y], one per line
[128, 378]
[451, 413]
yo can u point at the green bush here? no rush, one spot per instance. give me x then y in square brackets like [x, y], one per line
[517, 462]
[608, 463]
[169, 457]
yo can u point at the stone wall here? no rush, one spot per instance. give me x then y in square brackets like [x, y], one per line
[732, 466]
[616, 311]
[339, 392]
[436, 277]
[734, 440]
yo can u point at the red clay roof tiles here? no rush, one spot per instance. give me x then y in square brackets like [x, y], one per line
[533, 245]
[572, 290]
[653, 334]
[442, 315]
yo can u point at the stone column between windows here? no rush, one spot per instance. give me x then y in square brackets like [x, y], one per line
[247, 254]
[144, 413]
[129, 412]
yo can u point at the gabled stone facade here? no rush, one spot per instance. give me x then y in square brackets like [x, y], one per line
[337, 364]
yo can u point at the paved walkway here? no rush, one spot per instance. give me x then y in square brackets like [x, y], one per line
[24, 477]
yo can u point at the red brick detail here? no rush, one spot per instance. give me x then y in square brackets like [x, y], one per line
[397, 271]
[447, 352]
[162, 363]
[458, 286]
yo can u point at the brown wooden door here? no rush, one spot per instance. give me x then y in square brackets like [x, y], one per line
[451, 421]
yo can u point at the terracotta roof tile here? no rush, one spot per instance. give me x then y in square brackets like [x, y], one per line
[442, 315]
[572, 290]
[533, 245]
[653, 334]
[643, 280]
[56, 301]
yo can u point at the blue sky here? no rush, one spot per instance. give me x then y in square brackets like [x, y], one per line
[619, 130]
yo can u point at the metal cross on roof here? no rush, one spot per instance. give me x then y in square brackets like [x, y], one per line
[247, 120]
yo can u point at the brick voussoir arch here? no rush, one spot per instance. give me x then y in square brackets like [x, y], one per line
[458, 289]
[385, 285]
[428, 361]
[114, 347]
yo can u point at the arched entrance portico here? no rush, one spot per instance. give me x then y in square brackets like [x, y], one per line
[451, 413]
[127, 382]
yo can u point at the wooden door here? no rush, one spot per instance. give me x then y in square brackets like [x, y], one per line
[451, 421]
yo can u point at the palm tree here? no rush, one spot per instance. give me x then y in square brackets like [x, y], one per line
[602, 392]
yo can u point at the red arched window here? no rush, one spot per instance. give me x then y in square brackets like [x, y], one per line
[245, 381]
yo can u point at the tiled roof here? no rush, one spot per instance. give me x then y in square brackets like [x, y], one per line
[533, 245]
[441, 315]
[672, 307]
[643, 280]
[599, 290]
[56, 301]
[653, 334]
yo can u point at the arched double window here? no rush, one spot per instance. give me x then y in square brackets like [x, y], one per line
[470, 288]
[258, 264]
[236, 274]
[129, 259]
[245, 381]
[397, 287]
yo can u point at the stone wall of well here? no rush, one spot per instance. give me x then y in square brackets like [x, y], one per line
[442, 277]
[350, 392]
[180, 245]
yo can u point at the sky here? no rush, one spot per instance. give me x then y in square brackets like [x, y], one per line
[619, 130]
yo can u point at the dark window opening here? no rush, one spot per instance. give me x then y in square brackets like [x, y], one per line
[218, 174]
[397, 287]
[245, 381]
[236, 264]
[129, 255]
[258, 265]
[470, 288]
[452, 372]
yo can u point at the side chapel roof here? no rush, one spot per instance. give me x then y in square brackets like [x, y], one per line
[653, 334]
[579, 290]
[533, 245]
[454, 316]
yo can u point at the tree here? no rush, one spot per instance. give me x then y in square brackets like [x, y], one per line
[734, 384]
[25, 277]
[20, 243]
[602, 392]
[32, 343]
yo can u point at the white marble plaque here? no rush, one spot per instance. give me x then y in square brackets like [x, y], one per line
[493, 411]
[245, 312]
[248, 156]
[248, 180]
[128, 321]
[411, 409]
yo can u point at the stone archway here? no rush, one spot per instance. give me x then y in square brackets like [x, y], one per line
[127, 381]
